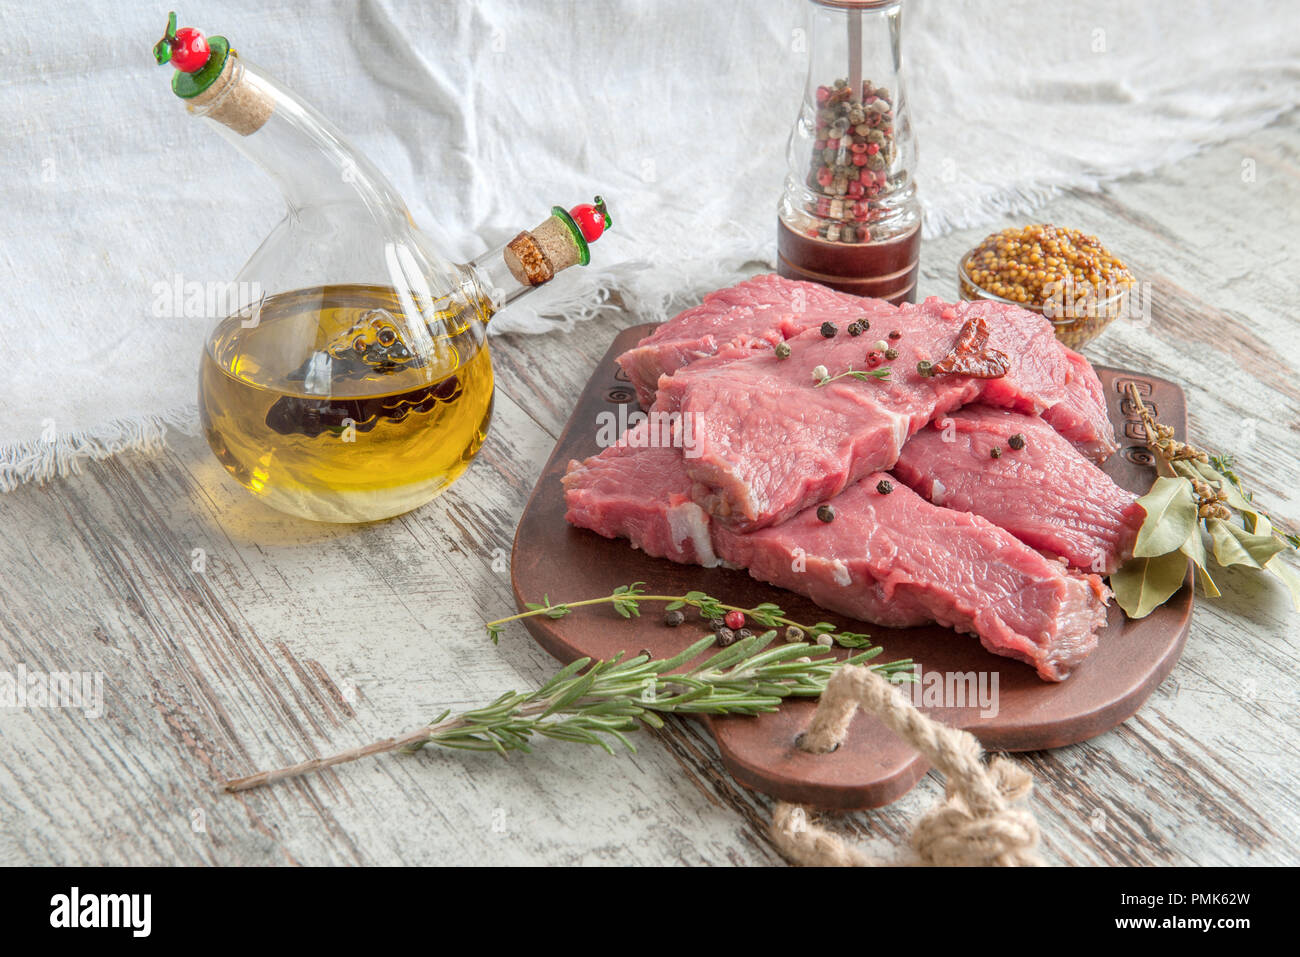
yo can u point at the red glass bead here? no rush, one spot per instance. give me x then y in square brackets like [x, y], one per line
[590, 220]
[189, 50]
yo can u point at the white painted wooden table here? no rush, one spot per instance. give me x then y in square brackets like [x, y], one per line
[291, 639]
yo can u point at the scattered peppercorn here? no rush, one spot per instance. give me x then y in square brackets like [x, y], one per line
[880, 345]
[673, 618]
[1027, 264]
[895, 334]
[891, 353]
[744, 633]
[735, 619]
[794, 633]
[717, 623]
[826, 513]
[884, 486]
[829, 329]
[782, 351]
[825, 640]
[855, 329]
[996, 452]
[1016, 441]
[864, 323]
[925, 369]
[726, 637]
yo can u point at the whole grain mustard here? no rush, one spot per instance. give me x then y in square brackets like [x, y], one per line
[1026, 264]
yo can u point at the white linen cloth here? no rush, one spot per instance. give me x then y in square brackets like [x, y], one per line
[485, 114]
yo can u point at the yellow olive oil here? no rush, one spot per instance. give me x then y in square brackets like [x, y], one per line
[337, 404]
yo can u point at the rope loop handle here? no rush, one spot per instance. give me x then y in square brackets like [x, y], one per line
[981, 822]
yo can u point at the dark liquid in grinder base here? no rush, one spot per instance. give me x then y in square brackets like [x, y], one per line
[885, 269]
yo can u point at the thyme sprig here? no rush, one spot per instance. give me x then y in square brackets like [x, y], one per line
[600, 702]
[823, 377]
[1195, 489]
[626, 601]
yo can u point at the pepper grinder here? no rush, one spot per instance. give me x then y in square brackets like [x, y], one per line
[849, 216]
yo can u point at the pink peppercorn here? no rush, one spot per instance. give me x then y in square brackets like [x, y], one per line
[824, 176]
[855, 189]
[874, 358]
[832, 143]
[823, 95]
[859, 159]
[735, 619]
[873, 148]
[860, 210]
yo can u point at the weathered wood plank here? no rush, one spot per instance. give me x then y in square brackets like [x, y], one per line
[294, 639]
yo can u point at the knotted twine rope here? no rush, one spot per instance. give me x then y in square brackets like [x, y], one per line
[978, 823]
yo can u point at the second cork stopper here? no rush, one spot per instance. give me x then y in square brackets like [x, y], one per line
[535, 256]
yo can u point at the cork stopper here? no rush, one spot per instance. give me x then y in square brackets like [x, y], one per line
[234, 99]
[534, 258]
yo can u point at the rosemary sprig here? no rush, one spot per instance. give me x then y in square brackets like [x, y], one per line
[602, 703]
[1193, 490]
[626, 600]
[823, 377]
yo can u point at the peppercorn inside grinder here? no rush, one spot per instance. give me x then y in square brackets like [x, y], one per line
[348, 376]
[849, 216]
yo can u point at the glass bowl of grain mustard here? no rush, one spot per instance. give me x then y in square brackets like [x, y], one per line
[1066, 276]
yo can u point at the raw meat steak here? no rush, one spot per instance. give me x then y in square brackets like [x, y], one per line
[892, 559]
[640, 493]
[1046, 494]
[755, 314]
[1081, 414]
[951, 567]
[770, 442]
[760, 312]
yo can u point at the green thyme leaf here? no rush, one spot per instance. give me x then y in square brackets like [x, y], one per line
[849, 639]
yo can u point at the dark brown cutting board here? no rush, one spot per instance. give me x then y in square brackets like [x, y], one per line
[872, 767]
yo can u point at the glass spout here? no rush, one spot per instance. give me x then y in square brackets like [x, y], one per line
[310, 161]
[533, 257]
